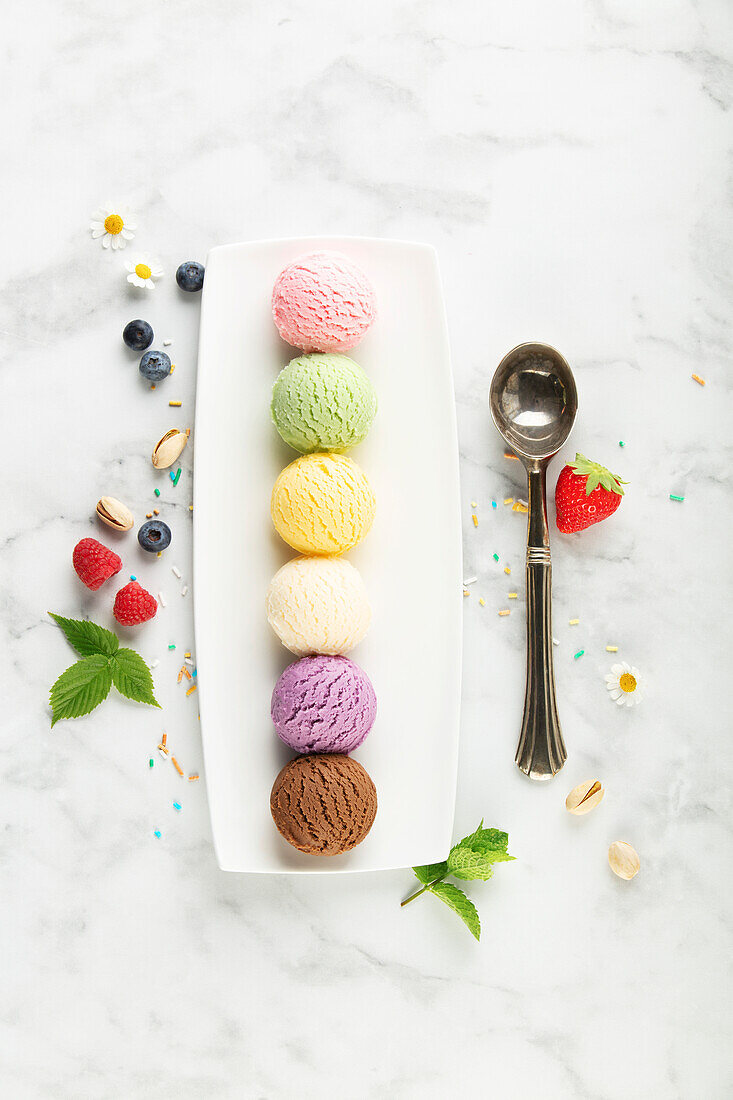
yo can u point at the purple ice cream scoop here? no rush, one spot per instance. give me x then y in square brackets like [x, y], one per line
[323, 704]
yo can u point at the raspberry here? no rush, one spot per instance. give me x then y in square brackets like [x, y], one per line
[133, 605]
[94, 563]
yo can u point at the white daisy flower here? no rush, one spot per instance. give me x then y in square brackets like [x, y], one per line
[625, 684]
[114, 224]
[144, 271]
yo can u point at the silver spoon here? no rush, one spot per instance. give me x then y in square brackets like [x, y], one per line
[533, 402]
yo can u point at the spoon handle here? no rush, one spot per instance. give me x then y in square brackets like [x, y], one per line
[541, 750]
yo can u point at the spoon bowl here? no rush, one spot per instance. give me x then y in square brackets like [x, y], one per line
[533, 402]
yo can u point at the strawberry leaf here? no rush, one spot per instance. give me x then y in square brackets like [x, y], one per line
[81, 688]
[131, 677]
[596, 475]
[87, 638]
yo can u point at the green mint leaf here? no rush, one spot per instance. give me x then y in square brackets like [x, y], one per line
[131, 676]
[81, 688]
[493, 838]
[87, 638]
[456, 900]
[430, 871]
[474, 856]
[477, 862]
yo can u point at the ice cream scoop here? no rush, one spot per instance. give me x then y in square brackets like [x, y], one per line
[323, 805]
[322, 504]
[323, 704]
[323, 403]
[323, 302]
[318, 605]
[533, 402]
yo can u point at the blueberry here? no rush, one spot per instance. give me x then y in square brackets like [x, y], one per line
[138, 335]
[154, 535]
[190, 276]
[155, 365]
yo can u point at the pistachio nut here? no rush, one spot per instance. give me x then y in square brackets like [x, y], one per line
[623, 859]
[115, 514]
[584, 797]
[168, 449]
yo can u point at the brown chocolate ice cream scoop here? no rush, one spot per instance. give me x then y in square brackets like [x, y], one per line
[323, 805]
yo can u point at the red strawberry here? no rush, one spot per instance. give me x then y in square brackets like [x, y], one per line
[133, 605]
[94, 563]
[585, 494]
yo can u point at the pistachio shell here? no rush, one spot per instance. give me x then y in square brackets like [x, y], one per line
[168, 449]
[115, 514]
[584, 797]
[623, 859]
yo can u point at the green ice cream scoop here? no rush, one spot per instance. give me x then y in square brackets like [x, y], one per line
[323, 402]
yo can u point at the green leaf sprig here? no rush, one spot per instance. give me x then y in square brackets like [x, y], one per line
[471, 858]
[87, 683]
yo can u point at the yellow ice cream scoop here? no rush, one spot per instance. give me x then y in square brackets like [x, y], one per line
[322, 504]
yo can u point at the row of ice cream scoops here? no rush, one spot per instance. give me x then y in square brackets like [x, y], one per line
[323, 802]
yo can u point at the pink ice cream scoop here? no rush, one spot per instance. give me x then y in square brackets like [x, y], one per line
[323, 302]
[323, 704]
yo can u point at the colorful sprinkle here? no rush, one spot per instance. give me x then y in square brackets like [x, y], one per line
[176, 571]
[519, 507]
[191, 690]
[611, 649]
[172, 645]
[621, 443]
[193, 777]
[177, 806]
[506, 611]
[175, 404]
[470, 580]
[493, 504]
[157, 492]
[474, 517]
[474, 504]
[511, 595]
[163, 751]
[187, 653]
[673, 496]
[176, 478]
[156, 832]
[466, 592]
[151, 762]
[573, 622]
[148, 515]
[164, 739]
[176, 765]
[700, 381]
[578, 654]
[509, 500]
[133, 577]
[156, 511]
[482, 601]
[507, 570]
[495, 557]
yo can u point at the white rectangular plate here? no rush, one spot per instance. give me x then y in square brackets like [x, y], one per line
[410, 561]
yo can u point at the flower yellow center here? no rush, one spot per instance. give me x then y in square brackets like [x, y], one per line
[113, 224]
[627, 682]
[142, 271]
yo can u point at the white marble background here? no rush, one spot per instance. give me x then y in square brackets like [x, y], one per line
[570, 161]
